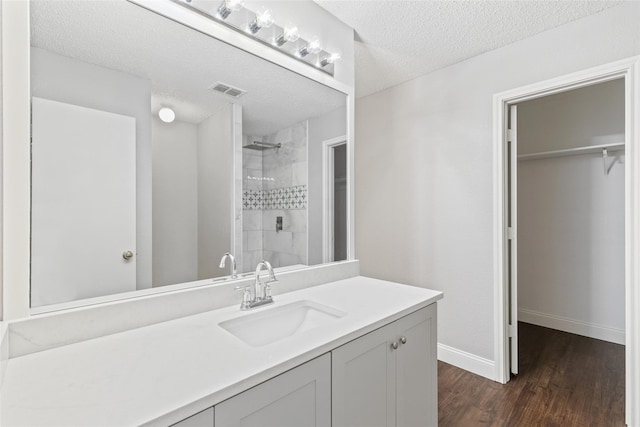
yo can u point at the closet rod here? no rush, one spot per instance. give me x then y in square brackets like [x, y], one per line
[573, 151]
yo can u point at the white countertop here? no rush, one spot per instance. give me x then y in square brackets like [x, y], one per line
[163, 373]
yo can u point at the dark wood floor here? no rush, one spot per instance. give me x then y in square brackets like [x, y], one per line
[564, 380]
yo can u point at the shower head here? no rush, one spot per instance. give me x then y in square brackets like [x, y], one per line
[259, 145]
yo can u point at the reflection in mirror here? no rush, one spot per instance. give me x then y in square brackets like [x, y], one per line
[125, 200]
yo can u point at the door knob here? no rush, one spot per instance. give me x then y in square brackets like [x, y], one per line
[403, 339]
[394, 345]
[127, 255]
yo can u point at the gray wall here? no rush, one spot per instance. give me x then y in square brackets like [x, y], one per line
[331, 125]
[424, 167]
[571, 215]
[67, 80]
[215, 174]
[191, 198]
[175, 202]
[588, 116]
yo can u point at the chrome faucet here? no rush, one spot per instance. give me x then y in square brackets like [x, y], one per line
[234, 272]
[260, 293]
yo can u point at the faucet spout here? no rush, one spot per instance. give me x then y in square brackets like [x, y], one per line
[261, 294]
[265, 265]
[234, 272]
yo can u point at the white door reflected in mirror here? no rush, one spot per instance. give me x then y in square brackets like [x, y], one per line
[83, 204]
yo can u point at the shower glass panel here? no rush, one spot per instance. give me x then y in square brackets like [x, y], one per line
[274, 198]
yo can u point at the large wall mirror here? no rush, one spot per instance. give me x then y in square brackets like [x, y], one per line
[125, 199]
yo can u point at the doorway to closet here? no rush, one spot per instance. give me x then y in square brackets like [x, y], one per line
[506, 226]
[567, 178]
[570, 211]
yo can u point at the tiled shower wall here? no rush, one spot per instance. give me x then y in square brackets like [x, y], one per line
[251, 213]
[275, 184]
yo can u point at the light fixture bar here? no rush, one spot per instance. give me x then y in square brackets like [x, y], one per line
[260, 26]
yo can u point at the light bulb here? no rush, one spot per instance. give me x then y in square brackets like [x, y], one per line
[290, 34]
[312, 47]
[166, 114]
[228, 6]
[329, 59]
[263, 20]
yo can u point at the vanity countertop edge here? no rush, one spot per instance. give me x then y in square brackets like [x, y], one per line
[163, 373]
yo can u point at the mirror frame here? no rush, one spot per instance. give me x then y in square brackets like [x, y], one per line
[16, 155]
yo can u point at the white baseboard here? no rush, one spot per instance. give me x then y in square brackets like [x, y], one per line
[578, 327]
[467, 361]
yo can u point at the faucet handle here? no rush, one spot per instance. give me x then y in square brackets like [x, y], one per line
[245, 288]
[266, 291]
[246, 296]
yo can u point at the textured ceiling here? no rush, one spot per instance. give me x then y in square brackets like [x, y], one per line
[180, 63]
[398, 40]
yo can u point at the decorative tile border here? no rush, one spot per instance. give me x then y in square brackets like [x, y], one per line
[252, 199]
[286, 198]
[278, 198]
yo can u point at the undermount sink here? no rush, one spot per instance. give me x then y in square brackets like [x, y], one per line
[275, 323]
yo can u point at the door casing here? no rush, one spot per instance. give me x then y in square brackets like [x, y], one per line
[328, 196]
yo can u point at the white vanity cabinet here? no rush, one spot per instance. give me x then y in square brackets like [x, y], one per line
[389, 376]
[300, 397]
[333, 372]
[385, 378]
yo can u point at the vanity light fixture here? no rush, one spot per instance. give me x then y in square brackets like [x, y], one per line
[263, 20]
[289, 34]
[228, 6]
[285, 39]
[312, 47]
[166, 114]
[330, 59]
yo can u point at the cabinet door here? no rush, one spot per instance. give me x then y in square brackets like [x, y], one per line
[363, 381]
[416, 369]
[300, 397]
[201, 419]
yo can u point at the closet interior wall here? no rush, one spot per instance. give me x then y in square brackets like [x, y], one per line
[571, 213]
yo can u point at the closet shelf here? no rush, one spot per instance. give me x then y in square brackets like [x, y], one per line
[573, 151]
